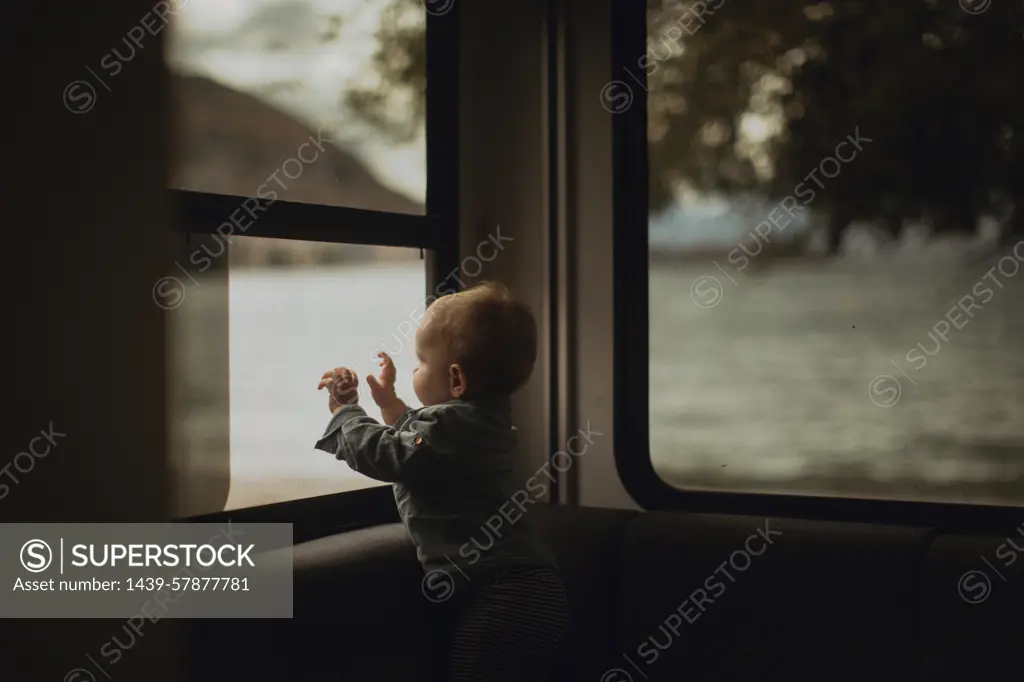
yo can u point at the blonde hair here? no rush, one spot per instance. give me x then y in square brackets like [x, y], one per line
[491, 335]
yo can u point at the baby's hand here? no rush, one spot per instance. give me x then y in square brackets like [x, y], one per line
[342, 386]
[383, 389]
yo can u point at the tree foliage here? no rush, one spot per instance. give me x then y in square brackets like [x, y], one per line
[754, 98]
[395, 101]
[933, 86]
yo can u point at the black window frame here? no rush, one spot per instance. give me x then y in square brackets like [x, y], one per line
[435, 233]
[631, 344]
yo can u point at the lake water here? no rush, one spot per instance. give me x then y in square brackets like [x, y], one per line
[766, 390]
[798, 379]
[287, 327]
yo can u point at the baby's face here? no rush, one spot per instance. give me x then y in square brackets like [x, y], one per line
[431, 378]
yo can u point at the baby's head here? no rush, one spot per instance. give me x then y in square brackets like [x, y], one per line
[478, 343]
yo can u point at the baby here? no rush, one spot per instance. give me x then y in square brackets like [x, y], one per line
[452, 465]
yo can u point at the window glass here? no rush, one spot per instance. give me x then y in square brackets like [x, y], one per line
[317, 101]
[295, 310]
[836, 247]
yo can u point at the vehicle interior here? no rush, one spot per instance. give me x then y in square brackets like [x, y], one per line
[775, 430]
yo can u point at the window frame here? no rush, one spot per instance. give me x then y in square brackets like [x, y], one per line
[435, 233]
[631, 394]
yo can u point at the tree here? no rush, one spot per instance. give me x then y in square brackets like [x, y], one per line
[929, 83]
[396, 100]
[755, 98]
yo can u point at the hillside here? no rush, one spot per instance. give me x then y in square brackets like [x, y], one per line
[230, 142]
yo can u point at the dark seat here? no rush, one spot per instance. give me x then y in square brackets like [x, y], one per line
[665, 596]
[742, 598]
[364, 590]
[358, 615]
[588, 548]
[974, 608]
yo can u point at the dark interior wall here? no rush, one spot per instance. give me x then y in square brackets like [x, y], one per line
[504, 178]
[589, 128]
[86, 239]
[503, 181]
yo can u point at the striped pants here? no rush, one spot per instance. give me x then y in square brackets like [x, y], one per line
[511, 628]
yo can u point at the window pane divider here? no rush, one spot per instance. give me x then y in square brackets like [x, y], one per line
[234, 216]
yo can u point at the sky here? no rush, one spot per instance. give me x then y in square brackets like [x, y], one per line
[275, 50]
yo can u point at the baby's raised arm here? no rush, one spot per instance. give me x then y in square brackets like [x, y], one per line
[381, 452]
[383, 391]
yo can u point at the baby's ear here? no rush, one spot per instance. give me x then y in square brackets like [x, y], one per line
[456, 381]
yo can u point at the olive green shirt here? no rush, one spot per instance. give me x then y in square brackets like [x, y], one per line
[455, 483]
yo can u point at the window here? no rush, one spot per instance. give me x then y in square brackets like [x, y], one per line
[835, 254]
[290, 323]
[309, 233]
